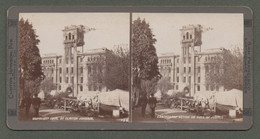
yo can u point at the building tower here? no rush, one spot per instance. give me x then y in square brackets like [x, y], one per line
[73, 37]
[190, 44]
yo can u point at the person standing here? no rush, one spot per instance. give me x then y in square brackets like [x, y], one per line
[36, 102]
[27, 104]
[143, 102]
[152, 103]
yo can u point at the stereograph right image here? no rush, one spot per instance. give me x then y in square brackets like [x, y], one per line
[187, 67]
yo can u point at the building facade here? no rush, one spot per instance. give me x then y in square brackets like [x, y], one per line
[188, 71]
[75, 70]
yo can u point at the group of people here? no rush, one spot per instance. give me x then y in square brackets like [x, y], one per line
[35, 102]
[151, 101]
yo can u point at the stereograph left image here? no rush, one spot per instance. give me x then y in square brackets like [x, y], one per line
[74, 67]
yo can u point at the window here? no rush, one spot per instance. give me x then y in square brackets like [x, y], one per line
[198, 88]
[59, 87]
[198, 79]
[60, 80]
[189, 79]
[189, 69]
[81, 79]
[184, 79]
[81, 88]
[184, 69]
[89, 69]
[60, 60]
[177, 69]
[67, 70]
[178, 60]
[71, 70]
[51, 70]
[183, 37]
[60, 69]
[190, 36]
[69, 36]
[72, 37]
[184, 60]
[81, 69]
[177, 87]
[177, 79]
[187, 35]
[198, 69]
[67, 79]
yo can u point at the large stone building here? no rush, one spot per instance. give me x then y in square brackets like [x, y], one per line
[188, 71]
[75, 70]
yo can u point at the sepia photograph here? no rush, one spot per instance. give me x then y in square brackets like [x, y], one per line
[187, 67]
[74, 67]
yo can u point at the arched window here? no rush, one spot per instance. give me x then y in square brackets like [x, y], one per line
[187, 35]
[69, 36]
[190, 36]
[183, 37]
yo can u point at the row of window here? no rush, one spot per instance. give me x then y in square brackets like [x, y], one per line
[90, 88]
[187, 36]
[71, 79]
[210, 58]
[189, 79]
[69, 37]
[48, 61]
[165, 61]
[95, 58]
[189, 69]
[208, 87]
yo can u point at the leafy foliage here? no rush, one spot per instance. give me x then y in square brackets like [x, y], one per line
[164, 85]
[227, 69]
[116, 70]
[144, 55]
[29, 58]
[47, 85]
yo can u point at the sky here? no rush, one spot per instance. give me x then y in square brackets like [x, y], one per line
[113, 29]
[227, 29]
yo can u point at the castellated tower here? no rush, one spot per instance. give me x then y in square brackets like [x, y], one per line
[73, 41]
[190, 44]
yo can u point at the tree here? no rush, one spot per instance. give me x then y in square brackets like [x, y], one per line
[227, 69]
[116, 69]
[145, 60]
[30, 71]
[47, 85]
[117, 72]
[149, 86]
[164, 85]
